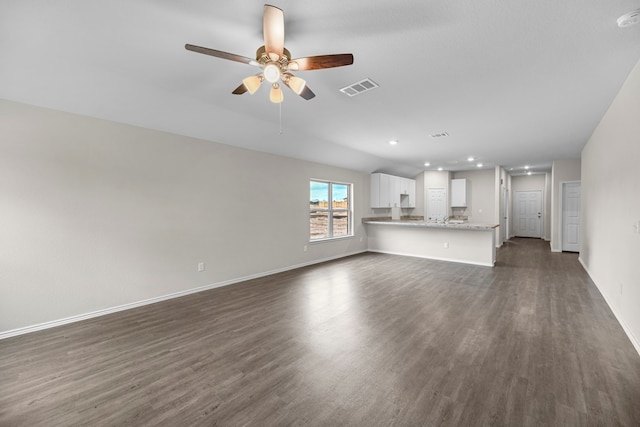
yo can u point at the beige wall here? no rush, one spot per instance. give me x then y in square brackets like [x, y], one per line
[420, 196]
[96, 214]
[481, 193]
[562, 171]
[610, 247]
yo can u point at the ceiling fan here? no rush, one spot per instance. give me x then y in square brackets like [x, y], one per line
[275, 60]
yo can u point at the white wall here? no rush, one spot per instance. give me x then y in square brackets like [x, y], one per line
[532, 183]
[610, 246]
[96, 214]
[561, 171]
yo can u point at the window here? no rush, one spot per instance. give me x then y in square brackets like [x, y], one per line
[329, 210]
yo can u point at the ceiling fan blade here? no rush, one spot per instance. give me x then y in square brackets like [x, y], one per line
[305, 92]
[240, 89]
[273, 28]
[320, 62]
[221, 54]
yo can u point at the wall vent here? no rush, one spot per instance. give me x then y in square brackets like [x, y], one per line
[359, 87]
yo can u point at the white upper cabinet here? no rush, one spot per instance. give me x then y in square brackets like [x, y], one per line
[407, 193]
[458, 193]
[380, 190]
[392, 191]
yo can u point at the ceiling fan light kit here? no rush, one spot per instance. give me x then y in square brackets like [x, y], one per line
[271, 72]
[295, 83]
[276, 96]
[252, 83]
[275, 61]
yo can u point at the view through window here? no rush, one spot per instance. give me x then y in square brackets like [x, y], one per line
[329, 210]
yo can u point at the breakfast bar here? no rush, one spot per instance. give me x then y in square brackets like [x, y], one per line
[470, 243]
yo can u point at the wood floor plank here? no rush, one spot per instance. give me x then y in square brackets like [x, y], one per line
[367, 340]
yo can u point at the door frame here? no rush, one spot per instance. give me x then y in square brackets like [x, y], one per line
[505, 213]
[561, 203]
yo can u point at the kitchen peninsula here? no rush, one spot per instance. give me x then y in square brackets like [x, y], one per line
[469, 243]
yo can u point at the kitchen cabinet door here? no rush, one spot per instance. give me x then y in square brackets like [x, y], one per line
[380, 190]
[458, 193]
[408, 193]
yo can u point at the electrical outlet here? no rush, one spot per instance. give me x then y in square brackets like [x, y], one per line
[446, 245]
[201, 266]
[304, 248]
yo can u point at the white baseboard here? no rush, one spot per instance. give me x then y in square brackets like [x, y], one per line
[103, 312]
[619, 318]
[484, 264]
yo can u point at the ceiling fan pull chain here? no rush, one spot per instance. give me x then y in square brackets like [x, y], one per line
[280, 106]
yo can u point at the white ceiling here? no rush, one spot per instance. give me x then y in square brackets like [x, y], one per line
[512, 83]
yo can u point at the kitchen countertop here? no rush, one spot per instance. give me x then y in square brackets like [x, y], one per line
[421, 223]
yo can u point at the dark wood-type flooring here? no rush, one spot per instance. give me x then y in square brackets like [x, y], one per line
[368, 340]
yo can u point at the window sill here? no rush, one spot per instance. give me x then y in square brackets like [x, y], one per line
[331, 239]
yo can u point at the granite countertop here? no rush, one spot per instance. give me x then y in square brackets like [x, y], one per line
[420, 222]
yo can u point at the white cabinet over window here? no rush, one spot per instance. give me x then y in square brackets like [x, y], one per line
[458, 193]
[389, 191]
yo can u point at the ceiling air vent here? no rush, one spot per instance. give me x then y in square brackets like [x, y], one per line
[359, 87]
[439, 135]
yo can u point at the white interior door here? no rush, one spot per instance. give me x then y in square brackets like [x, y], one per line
[528, 213]
[436, 204]
[571, 216]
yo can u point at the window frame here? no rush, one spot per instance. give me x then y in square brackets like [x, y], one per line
[330, 211]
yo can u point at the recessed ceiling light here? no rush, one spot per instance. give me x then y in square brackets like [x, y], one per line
[427, 164]
[440, 169]
[470, 159]
[393, 142]
[629, 19]
[526, 167]
[479, 165]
